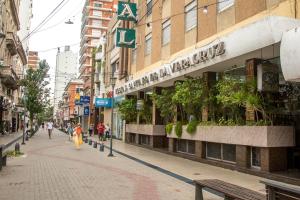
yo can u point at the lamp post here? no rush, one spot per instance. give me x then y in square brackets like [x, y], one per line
[24, 125]
[113, 83]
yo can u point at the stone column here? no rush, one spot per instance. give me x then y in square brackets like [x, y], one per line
[273, 159]
[242, 156]
[209, 80]
[172, 145]
[137, 137]
[200, 150]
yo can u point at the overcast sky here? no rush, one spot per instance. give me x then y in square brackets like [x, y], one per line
[55, 33]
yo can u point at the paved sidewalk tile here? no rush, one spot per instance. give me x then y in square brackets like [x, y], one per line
[54, 169]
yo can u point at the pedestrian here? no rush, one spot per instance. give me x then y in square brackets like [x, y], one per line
[91, 129]
[78, 136]
[50, 128]
[107, 131]
[100, 130]
[70, 131]
[43, 125]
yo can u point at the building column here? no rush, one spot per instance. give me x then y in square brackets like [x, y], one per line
[273, 159]
[137, 138]
[251, 74]
[172, 144]
[209, 81]
[200, 150]
[242, 156]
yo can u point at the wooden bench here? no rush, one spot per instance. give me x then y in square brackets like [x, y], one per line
[277, 190]
[229, 190]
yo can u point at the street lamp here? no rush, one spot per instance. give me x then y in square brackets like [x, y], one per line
[113, 83]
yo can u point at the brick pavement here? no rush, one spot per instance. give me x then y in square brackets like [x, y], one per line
[54, 169]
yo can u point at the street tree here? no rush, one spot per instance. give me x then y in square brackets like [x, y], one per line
[36, 98]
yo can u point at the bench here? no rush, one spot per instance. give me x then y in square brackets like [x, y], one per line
[277, 190]
[230, 191]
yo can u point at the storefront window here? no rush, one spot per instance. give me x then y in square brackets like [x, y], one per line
[186, 146]
[145, 139]
[224, 152]
[255, 157]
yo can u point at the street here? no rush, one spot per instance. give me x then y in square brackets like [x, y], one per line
[54, 169]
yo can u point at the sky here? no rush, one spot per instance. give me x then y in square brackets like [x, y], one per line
[55, 33]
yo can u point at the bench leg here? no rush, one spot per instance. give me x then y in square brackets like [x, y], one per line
[198, 194]
[228, 198]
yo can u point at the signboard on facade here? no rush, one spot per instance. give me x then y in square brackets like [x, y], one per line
[191, 60]
[267, 78]
[127, 11]
[125, 37]
[85, 99]
[86, 111]
[103, 102]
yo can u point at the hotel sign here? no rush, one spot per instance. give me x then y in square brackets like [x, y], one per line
[193, 60]
[127, 12]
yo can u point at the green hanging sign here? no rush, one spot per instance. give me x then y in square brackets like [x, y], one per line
[125, 38]
[127, 11]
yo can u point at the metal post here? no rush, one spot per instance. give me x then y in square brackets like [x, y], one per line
[24, 127]
[112, 120]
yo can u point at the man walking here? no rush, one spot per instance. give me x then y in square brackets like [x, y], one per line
[50, 127]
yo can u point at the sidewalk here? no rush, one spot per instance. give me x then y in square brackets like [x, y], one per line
[4, 139]
[55, 170]
[187, 168]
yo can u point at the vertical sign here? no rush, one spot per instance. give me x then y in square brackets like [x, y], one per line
[125, 38]
[127, 11]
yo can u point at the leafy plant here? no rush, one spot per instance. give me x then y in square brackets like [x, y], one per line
[165, 104]
[146, 113]
[192, 126]
[169, 128]
[189, 94]
[178, 129]
[128, 110]
[13, 153]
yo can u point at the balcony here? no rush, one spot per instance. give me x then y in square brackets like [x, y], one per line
[11, 43]
[9, 77]
[14, 12]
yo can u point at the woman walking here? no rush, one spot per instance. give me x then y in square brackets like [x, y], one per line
[78, 136]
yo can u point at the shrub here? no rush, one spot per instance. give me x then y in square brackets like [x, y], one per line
[169, 128]
[178, 129]
[192, 126]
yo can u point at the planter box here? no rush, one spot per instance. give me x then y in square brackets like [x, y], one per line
[259, 136]
[146, 129]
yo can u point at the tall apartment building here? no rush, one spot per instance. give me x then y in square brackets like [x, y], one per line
[241, 40]
[33, 60]
[66, 69]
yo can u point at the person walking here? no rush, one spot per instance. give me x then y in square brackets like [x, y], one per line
[50, 128]
[100, 130]
[107, 131]
[78, 136]
[70, 131]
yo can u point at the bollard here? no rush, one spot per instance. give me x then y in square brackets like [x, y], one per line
[90, 141]
[95, 144]
[17, 147]
[101, 147]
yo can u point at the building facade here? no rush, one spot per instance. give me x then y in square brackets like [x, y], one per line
[213, 40]
[33, 60]
[12, 61]
[66, 70]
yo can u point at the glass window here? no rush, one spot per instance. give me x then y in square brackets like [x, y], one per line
[229, 153]
[255, 157]
[98, 5]
[213, 150]
[190, 15]
[97, 23]
[97, 13]
[145, 139]
[182, 147]
[223, 5]
[149, 7]
[191, 146]
[166, 32]
[186, 146]
[148, 45]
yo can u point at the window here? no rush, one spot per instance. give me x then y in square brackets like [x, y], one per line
[133, 55]
[224, 152]
[186, 146]
[223, 5]
[97, 13]
[145, 139]
[255, 157]
[148, 45]
[166, 32]
[97, 23]
[190, 15]
[149, 7]
[98, 5]
[96, 32]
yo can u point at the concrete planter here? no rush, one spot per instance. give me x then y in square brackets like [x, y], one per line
[259, 136]
[146, 129]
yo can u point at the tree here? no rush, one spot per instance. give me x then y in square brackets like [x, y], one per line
[36, 93]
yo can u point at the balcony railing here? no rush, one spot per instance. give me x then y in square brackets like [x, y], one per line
[11, 43]
[9, 77]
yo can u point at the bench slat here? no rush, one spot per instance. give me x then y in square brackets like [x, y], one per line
[230, 190]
